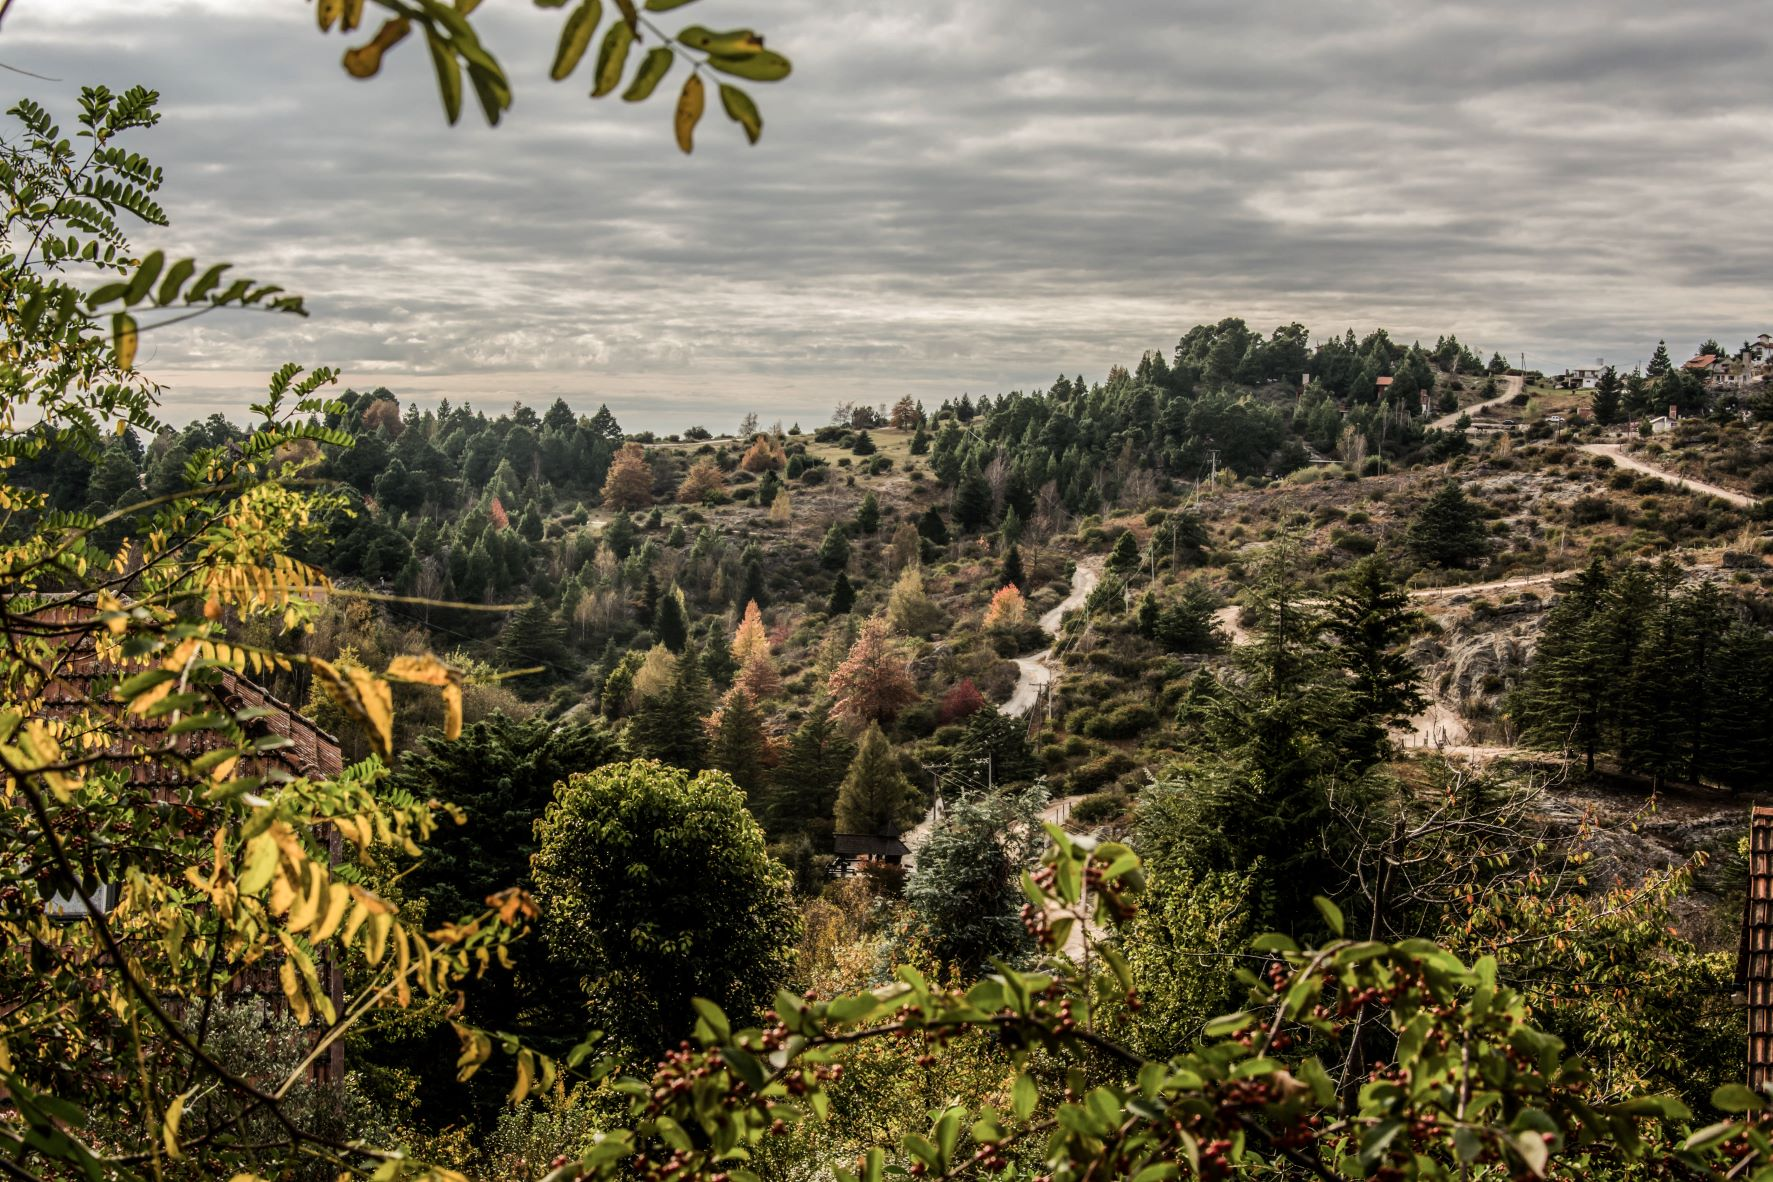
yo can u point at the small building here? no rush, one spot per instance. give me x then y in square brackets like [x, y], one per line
[1586, 377]
[855, 850]
[1384, 385]
[1754, 956]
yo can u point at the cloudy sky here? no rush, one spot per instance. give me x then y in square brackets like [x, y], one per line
[970, 195]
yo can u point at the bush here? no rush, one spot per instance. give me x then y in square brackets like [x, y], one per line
[1101, 806]
[1100, 771]
[1123, 722]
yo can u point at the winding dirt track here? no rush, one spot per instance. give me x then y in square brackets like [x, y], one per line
[1511, 387]
[1617, 453]
[1034, 671]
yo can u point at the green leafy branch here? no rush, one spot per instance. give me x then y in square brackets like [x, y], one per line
[455, 48]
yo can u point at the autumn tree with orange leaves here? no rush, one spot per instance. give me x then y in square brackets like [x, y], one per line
[629, 484]
[874, 681]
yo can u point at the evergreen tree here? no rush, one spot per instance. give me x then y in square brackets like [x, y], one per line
[1659, 361]
[502, 772]
[533, 636]
[603, 426]
[1123, 560]
[1013, 575]
[868, 514]
[1449, 529]
[966, 891]
[972, 500]
[621, 534]
[843, 596]
[863, 444]
[803, 788]
[875, 797]
[834, 551]
[997, 748]
[671, 620]
[920, 441]
[1371, 620]
[667, 726]
[931, 526]
[739, 744]
[1607, 394]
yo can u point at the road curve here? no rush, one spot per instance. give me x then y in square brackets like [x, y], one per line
[1617, 453]
[1512, 385]
[1034, 671]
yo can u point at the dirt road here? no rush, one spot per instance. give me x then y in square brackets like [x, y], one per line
[1617, 453]
[1510, 387]
[1034, 671]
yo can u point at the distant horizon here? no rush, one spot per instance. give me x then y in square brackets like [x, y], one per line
[495, 394]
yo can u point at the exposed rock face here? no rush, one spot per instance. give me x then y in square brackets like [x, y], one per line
[1470, 666]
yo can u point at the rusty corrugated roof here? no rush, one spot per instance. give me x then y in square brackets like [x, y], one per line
[1754, 962]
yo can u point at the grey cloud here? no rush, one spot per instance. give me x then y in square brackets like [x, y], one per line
[958, 197]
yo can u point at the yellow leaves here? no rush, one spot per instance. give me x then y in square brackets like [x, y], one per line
[428, 670]
[612, 58]
[366, 60]
[362, 695]
[169, 1124]
[476, 1049]
[37, 750]
[689, 112]
[124, 339]
[337, 900]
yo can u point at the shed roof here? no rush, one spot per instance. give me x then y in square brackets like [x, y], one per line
[1754, 960]
[850, 845]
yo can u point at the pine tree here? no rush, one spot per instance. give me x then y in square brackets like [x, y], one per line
[668, 726]
[1448, 530]
[803, 788]
[997, 747]
[671, 620]
[1013, 574]
[1123, 560]
[1370, 619]
[843, 596]
[834, 551]
[873, 683]
[868, 514]
[533, 636]
[629, 484]
[621, 534]
[1659, 361]
[739, 745]
[920, 441]
[972, 499]
[603, 426]
[931, 526]
[875, 797]
[1607, 394]
[1563, 699]
[863, 444]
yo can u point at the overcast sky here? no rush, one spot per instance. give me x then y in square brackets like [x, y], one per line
[960, 196]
